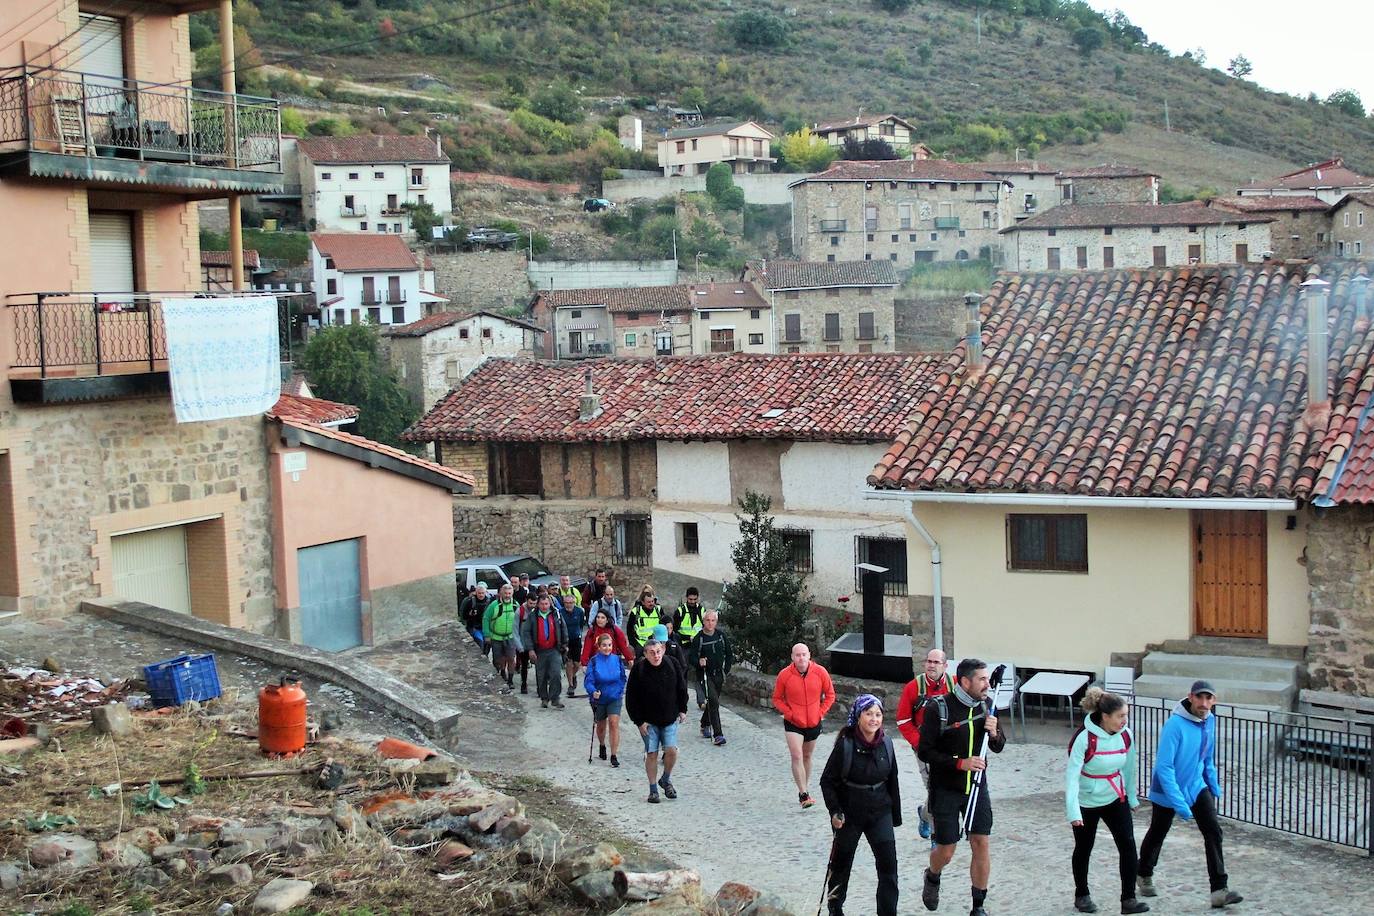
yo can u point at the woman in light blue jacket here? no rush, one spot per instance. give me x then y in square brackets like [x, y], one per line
[1099, 785]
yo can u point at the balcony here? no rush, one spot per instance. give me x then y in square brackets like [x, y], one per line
[111, 132]
[371, 299]
[833, 225]
[74, 347]
[946, 222]
[729, 345]
[351, 212]
[395, 298]
[389, 210]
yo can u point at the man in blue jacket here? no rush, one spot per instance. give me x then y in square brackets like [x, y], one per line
[1184, 783]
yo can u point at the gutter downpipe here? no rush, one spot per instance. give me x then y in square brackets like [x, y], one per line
[936, 592]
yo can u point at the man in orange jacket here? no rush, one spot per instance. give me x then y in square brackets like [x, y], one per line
[803, 694]
[911, 709]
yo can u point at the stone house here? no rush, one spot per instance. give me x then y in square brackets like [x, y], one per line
[1329, 181]
[137, 506]
[1301, 226]
[369, 278]
[216, 271]
[1166, 476]
[1352, 225]
[581, 323]
[745, 147]
[896, 132]
[362, 183]
[1108, 184]
[434, 354]
[830, 306]
[624, 477]
[904, 211]
[1034, 185]
[1106, 236]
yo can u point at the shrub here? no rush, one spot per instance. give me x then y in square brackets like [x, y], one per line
[766, 606]
[558, 102]
[757, 29]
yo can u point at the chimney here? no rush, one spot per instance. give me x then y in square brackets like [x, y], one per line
[1361, 284]
[589, 407]
[973, 336]
[1315, 290]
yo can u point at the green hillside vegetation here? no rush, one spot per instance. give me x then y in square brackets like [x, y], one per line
[528, 83]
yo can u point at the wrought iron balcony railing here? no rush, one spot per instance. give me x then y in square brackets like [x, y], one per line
[832, 225]
[83, 114]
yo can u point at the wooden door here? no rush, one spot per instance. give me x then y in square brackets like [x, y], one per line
[1230, 584]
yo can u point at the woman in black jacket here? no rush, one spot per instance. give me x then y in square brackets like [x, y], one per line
[859, 785]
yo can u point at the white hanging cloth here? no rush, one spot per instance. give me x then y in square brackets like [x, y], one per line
[223, 356]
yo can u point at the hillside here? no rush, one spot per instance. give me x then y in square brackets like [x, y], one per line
[1021, 76]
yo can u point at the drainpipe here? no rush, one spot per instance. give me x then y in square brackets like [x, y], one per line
[936, 596]
[229, 85]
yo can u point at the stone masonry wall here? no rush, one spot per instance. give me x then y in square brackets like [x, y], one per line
[1114, 190]
[1340, 576]
[481, 279]
[573, 536]
[1361, 230]
[813, 304]
[1133, 246]
[929, 321]
[1307, 225]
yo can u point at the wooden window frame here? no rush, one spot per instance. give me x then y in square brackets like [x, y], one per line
[1052, 562]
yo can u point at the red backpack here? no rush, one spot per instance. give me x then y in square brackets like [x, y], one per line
[1091, 751]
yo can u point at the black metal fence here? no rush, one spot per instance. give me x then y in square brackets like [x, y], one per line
[1305, 775]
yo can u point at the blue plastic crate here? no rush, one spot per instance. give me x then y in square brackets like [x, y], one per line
[182, 679]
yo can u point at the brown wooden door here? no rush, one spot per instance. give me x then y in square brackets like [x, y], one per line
[1230, 585]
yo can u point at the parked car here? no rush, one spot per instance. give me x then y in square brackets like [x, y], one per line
[497, 571]
[597, 204]
[487, 237]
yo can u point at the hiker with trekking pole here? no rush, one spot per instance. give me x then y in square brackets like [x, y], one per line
[604, 681]
[957, 731]
[860, 788]
[709, 655]
[1099, 786]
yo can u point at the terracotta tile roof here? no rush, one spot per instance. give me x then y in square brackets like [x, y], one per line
[1087, 216]
[711, 130]
[1268, 203]
[859, 121]
[1347, 475]
[365, 251]
[221, 258]
[624, 299]
[311, 410]
[736, 295]
[861, 397]
[1108, 171]
[821, 274]
[1329, 174]
[1169, 383]
[900, 170]
[379, 448]
[295, 385]
[439, 320]
[365, 148]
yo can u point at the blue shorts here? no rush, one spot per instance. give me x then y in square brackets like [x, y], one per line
[601, 709]
[660, 737]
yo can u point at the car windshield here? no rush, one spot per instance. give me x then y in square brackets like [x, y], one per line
[525, 566]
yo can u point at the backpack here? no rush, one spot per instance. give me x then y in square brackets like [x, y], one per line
[921, 688]
[1091, 751]
[847, 752]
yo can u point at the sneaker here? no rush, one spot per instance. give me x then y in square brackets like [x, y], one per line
[1145, 886]
[1084, 904]
[653, 796]
[615, 761]
[602, 753]
[720, 741]
[922, 825]
[666, 785]
[558, 704]
[930, 892]
[543, 704]
[706, 731]
[1225, 897]
[806, 800]
[572, 691]
[1134, 906]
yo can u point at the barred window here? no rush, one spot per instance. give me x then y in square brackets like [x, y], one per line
[888, 552]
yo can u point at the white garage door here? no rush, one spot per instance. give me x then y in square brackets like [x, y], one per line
[150, 566]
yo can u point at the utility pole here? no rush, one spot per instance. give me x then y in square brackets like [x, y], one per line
[1167, 128]
[229, 86]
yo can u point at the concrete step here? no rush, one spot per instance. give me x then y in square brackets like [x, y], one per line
[1279, 672]
[1228, 645]
[1264, 694]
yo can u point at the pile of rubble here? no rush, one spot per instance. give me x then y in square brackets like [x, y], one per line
[33, 695]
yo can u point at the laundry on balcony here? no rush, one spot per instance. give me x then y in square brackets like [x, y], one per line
[222, 356]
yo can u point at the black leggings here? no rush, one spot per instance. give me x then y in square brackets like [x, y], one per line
[1205, 813]
[876, 825]
[1117, 817]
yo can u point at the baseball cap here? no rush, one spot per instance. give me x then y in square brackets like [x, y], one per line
[1202, 687]
[661, 633]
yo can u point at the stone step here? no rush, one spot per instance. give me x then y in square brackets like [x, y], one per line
[1263, 694]
[1228, 645]
[1279, 672]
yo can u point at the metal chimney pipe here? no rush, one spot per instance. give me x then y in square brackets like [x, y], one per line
[1316, 291]
[1361, 284]
[973, 334]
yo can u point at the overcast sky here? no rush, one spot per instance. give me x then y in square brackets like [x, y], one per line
[1288, 55]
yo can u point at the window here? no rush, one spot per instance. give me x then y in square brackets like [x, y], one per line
[794, 349]
[1161, 255]
[326, 176]
[705, 315]
[398, 314]
[987, 219]
[832, 325]
[663, 343]
[798, 544]
[870, 236]
[1192, 229]
[1359, 249]
[865, 348]
[935, 236]
[1345, 218]
[1051, 258]
[338, 316]
[863, 291]
[328, 263]
[486, 333]
[463, 333]
[370, 291]
[1066, 191]
[1359, 218]
[362, 227]
[1053, 233]
[867, 331]
[631, 340]
[834, 241]
[832, 348]
[396, 228]
[1082, 257]
[904, 216]
[791, 327]
[868, 257]
[792, 294]
[514, 468]
[682, 146]
[574, 341]
[887, 552]
[374, 315]
[1108, 256]
[381, 227]
[830, 258]
[352, 176]
[911, 238]
[963, 233]
[1243, 251]
[694, 144]
[892, 257]
[755, 314]
[348, 205]
[722, 340]
[631, 534]
[895, 237]
[832, 293]
[871, 217]
[577, 313]
[1194, 254]
[961, 255]
[417, 178]
[331, 286]
[1047, 543]
[1154, 230]
[755, 340]
[688, 539]
[378, 175]
[1107, 230]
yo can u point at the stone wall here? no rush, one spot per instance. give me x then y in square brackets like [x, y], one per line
[573, 536]
[601, 274]
[481, 279]
[758, 188]
[1133, 246]
[412, 607]
[756, 689]
[1340, 575]
[813, 305]
[1134, 190]
[1307, 225]
[929, 321]
[1355, 240]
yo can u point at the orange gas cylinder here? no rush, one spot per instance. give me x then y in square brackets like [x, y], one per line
[281, 717]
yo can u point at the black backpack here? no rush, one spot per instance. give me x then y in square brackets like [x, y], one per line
[847, 752]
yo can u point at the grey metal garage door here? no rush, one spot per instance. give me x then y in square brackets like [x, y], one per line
[331, 596]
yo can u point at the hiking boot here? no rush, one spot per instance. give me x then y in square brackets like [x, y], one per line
[653, 795]
[706, 731]
[558, 704]
[978, 911]
[922, 825]
[1145, 886]
[1084, 904]
[602, 753]
[720, 741]
[524, 688]
[615, 761]
[1225, 897]
[805, 799]
[543, 704]
[572, 691]
[1133, 905]
[666, 785]
[930, 891]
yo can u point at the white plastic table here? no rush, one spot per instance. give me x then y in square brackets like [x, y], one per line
[1052, 683]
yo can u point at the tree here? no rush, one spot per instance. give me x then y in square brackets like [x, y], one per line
[720, 184]
[767, 604]
[692, 97]
[1347, 101]
[805, 152]
[345, 363]
[1088, 39]
[1240, 66]
[423, 219]
[557, 102]
[874, 148]
[756, 29]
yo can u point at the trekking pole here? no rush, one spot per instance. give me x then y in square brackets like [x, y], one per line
[592, 743]
[989, 709]
[829, 869]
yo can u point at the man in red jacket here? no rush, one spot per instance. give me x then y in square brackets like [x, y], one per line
[803, 694]
[911, 710]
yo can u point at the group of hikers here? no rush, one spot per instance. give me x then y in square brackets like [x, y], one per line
[642, 659]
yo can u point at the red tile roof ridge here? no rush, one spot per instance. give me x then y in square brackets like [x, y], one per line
[316, 410]
[380, 448]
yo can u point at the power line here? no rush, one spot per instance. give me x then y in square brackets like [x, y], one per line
[19, 37]
[139, 14]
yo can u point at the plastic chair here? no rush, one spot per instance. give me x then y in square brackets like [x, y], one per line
[1120, 680]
